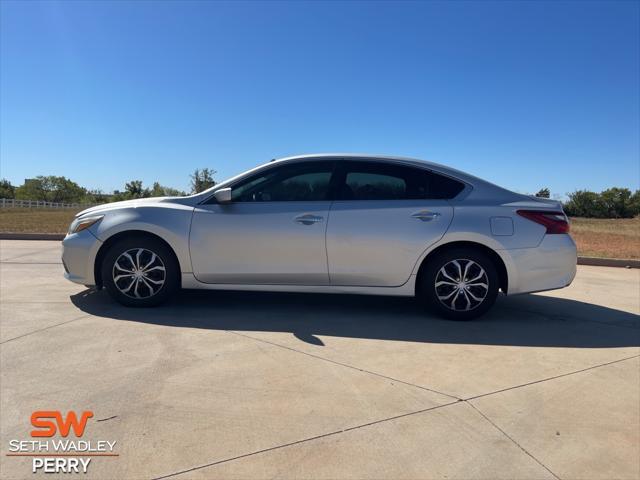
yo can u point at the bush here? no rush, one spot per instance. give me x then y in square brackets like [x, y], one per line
[611, 203]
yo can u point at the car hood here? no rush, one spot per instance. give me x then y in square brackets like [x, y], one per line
[138, 202]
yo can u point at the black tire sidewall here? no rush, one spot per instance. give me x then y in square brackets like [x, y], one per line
[426, 285]
[159, 248]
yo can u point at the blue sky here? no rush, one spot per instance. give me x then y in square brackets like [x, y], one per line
[523, 94]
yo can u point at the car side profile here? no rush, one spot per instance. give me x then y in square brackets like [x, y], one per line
[332, 223]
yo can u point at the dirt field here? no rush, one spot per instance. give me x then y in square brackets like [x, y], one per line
[35, 220]
[611, 238]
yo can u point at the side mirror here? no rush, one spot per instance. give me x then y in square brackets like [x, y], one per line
[223, 195]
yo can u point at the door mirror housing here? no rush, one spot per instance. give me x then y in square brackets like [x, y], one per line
[223, 195]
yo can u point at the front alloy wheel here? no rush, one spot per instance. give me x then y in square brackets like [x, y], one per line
[140, 272]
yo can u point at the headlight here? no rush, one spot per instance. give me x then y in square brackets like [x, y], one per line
[83, 223]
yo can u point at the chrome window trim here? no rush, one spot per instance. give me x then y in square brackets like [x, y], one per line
[392, 161]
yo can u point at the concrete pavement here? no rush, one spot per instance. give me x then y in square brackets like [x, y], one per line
[257, 385]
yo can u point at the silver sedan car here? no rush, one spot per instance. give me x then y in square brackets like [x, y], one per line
[334, 223]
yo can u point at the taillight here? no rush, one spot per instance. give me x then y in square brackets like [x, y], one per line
[556, 222]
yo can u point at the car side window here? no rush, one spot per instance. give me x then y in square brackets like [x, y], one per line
[374, 186]
[379, 181]
[444, 187]
[384, 181]
[306, 182]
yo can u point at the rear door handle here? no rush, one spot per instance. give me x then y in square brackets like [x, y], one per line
[308, 219]
[425, 216]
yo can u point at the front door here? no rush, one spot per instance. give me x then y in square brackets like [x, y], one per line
[273, 231]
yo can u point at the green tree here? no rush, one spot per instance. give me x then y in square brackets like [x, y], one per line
[160, 191]
[634, 201]
[6, 189]
[96, 196]
[616, 202]
[543, 193]
[134, 189]
[202, 179]
[582, 203]
[51, 189]
[611, 203]
[118, 196]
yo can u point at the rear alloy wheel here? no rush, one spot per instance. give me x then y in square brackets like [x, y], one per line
[140, 272]
[460, 284]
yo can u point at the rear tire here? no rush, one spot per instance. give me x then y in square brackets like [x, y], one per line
[140, 272]
[459, 284]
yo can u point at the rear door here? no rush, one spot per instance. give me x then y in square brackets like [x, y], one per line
[383, 218]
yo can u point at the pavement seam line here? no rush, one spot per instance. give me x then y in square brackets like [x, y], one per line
[512, 439]
[9, 262]
[45, 328]
[550, 378]
[565, 318]
[345, 365]
[305, 440]
[34, 252]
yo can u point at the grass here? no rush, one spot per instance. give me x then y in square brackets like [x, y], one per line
[611, 238]
[607, 237]
[35, 220]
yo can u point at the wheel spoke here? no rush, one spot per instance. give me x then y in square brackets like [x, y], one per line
[117, 265]
[135, 290]
[155, 282]
[466, 297]
[483, 285]
[133, 281]
[153, 259]
[455, 299]
[138, 253]
[154, 268]
[473, 296]
[477, 277]
[466, 269]
[120, 277]
[145, 281]
[457, 264]
[445, 274]
[443, 282]
[446, 297]
[128, 257]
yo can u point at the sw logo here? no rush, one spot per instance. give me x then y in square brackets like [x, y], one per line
[42, 420]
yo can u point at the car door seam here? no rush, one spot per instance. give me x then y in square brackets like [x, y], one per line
[326, 250]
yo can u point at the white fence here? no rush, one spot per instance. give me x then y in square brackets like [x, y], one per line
[13, 203]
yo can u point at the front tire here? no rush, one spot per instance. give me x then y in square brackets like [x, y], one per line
[140, 272]
[459, 284]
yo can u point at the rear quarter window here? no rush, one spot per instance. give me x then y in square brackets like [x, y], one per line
[441, 187]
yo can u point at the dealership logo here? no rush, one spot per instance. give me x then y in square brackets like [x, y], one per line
[60, 455]
[41, 420]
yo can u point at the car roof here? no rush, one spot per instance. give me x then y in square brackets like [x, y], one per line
[437, 167]
[476, 186]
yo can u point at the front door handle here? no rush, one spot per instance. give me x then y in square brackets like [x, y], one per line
[308, 219]
[425, 215]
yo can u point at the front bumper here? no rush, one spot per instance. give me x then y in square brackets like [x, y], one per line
[550, 265]
[79, 252]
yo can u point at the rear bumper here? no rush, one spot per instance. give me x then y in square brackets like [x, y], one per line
[550, 265]
[79, 252]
